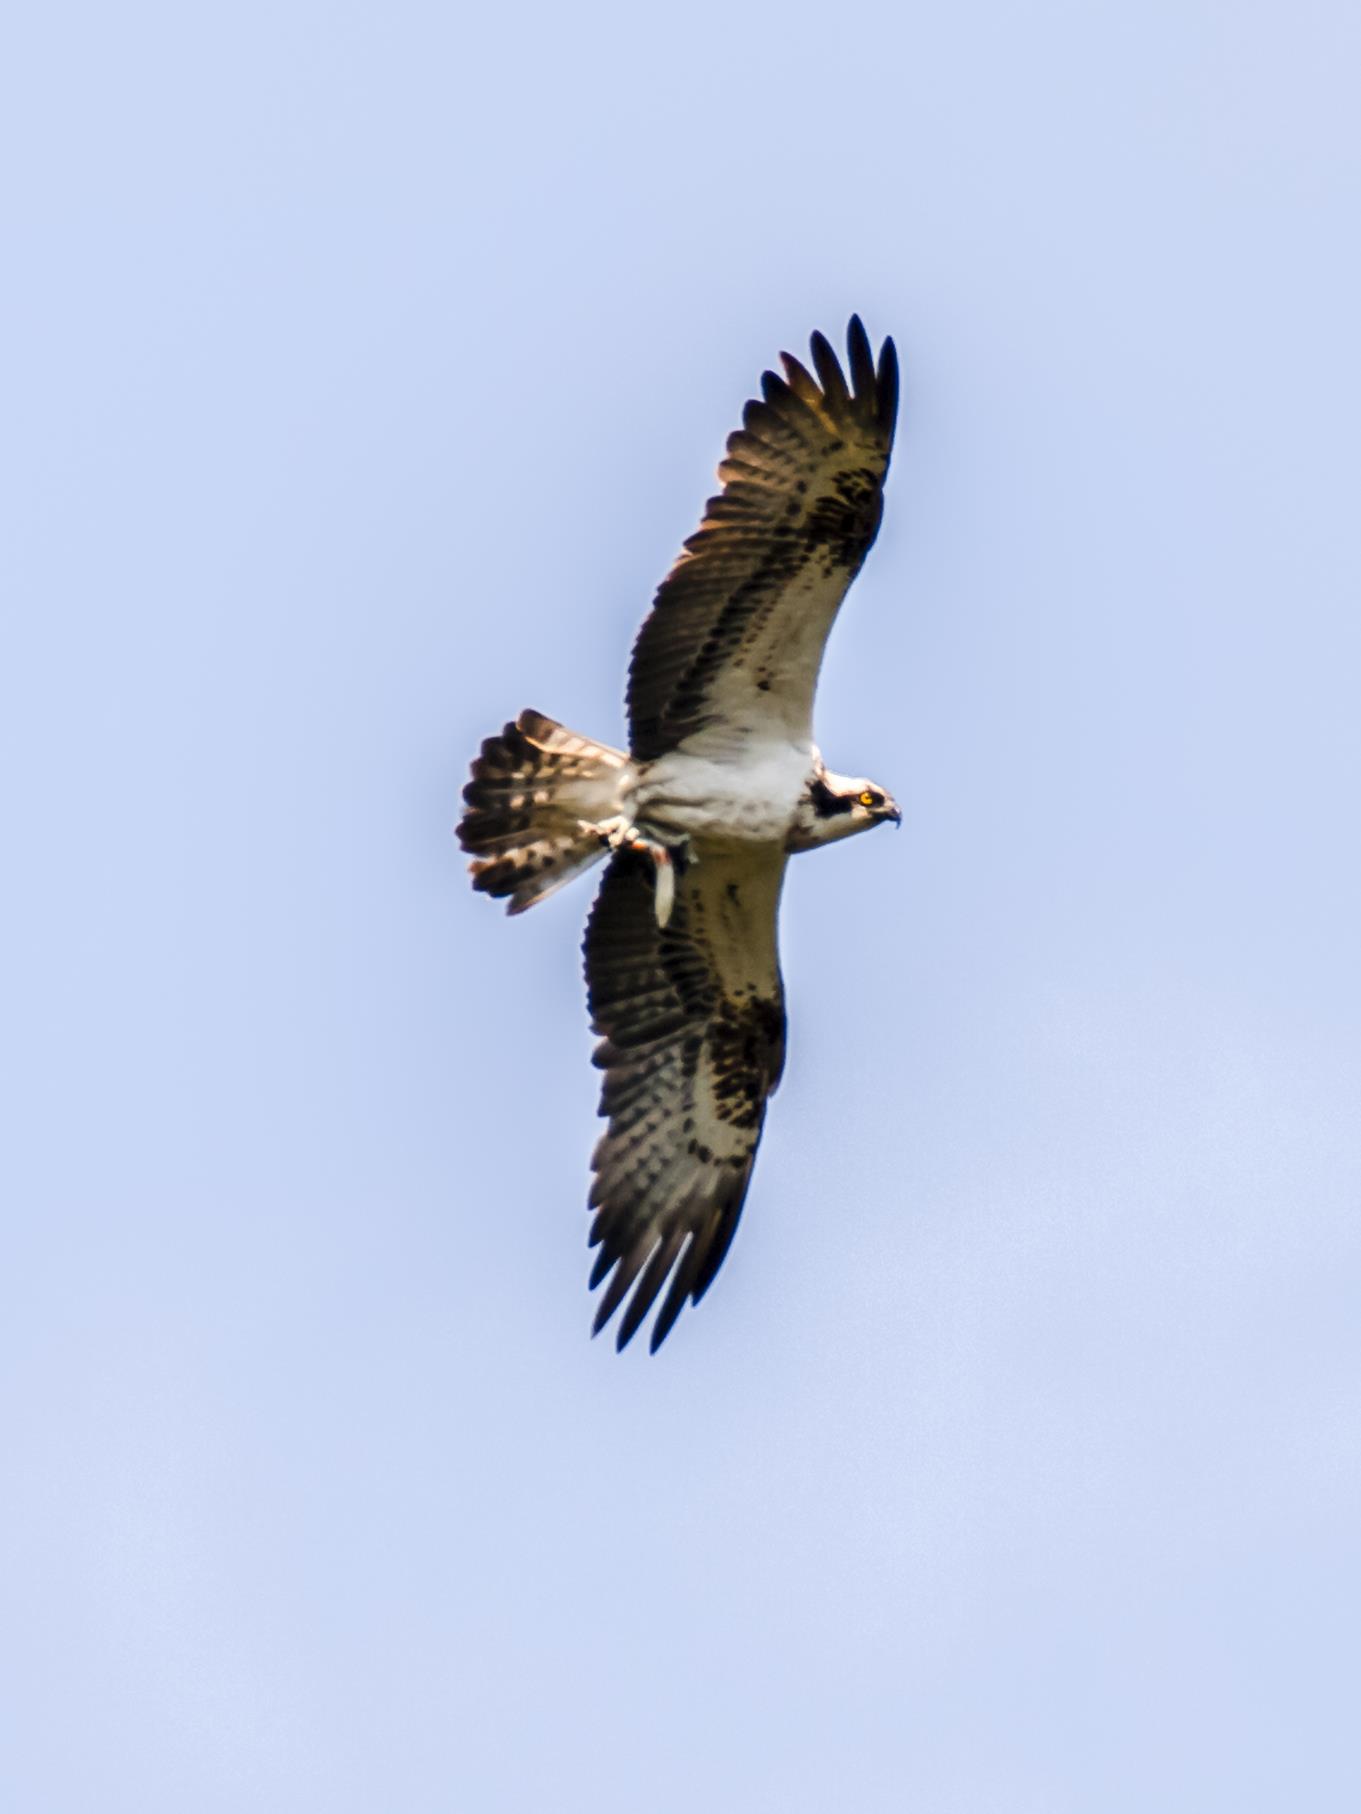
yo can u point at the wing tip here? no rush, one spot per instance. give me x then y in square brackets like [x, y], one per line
[867, 387]
[887, 386]
[680, 1292]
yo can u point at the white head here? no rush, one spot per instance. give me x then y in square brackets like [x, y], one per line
[837, 806]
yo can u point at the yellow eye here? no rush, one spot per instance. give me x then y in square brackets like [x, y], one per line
[868, 798]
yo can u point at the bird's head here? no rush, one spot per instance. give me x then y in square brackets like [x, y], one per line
[837, 806]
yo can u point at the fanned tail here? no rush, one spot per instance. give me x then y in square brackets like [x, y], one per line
[536, 798]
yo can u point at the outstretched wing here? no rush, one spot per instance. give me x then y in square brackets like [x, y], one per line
[691, 1018]
[736, 632]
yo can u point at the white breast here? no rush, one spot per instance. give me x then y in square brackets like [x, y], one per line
[748, 796]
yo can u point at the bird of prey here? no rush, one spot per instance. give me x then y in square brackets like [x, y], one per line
[721, 783]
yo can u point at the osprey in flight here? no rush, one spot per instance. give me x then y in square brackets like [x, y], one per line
[721, 784]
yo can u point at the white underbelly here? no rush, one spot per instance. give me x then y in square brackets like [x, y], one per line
[746, 798]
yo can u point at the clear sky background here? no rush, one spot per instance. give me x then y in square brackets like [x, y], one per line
[364, 369]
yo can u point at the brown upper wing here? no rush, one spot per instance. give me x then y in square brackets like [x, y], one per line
[736, 632]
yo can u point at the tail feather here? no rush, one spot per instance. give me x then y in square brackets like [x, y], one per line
[536, 795]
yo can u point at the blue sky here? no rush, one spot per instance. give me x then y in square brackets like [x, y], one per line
[364, 369]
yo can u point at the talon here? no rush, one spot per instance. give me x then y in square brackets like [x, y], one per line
[665, 898]
[619, 833]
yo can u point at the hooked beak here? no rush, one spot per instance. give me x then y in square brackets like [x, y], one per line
[895, 813]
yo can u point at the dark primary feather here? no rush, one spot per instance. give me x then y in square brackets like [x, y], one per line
[738, 625]
[691, 1019]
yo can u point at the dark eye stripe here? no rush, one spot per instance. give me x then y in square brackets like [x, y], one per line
[825, 802]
